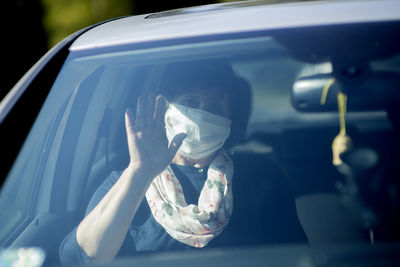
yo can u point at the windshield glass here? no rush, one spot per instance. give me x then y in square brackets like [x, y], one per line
[255, 101]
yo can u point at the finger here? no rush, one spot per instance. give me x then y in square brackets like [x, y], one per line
[128, 121]
[140, 111]
[176, 144]
[130, 133]
[150, 105]
[160, 109]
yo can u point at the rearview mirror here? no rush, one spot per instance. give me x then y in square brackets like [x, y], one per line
[378, 91]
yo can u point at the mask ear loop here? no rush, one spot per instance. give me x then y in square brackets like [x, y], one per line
[325, 90]
[342, 142]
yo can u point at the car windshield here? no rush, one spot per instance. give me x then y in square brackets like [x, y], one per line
[294, 100]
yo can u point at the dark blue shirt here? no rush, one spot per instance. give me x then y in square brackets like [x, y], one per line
[144, 234]
[264, 212]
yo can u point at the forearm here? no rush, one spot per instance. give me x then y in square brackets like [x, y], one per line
[103, 231]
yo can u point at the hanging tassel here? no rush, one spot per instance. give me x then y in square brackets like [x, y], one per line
[342, 142]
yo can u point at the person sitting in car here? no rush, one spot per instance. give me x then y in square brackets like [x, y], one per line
[176, 192]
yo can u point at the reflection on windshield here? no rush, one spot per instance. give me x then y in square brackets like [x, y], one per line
[29, 257]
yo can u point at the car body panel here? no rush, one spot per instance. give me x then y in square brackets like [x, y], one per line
[234, 18]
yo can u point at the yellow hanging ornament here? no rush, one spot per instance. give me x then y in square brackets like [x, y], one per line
[342, 142]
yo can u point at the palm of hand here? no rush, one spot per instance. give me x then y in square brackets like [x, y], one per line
[148, 146]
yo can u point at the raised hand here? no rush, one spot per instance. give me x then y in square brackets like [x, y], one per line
[148, 146]
[102, 232]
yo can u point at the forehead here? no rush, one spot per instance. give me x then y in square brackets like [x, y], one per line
[209, 94]
[195, 77]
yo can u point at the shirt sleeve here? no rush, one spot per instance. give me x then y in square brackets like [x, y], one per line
[70, 252]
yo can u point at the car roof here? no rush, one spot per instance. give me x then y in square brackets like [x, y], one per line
[247, 16]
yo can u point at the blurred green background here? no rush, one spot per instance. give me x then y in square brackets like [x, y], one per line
[62, 17]
[32, 27]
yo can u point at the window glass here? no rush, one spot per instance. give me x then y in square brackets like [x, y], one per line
[281, 156]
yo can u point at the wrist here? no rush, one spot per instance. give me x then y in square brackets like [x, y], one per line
[139, 175]
[137, 169]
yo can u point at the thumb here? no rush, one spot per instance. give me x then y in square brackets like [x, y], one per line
[131, 138]
[176, 143]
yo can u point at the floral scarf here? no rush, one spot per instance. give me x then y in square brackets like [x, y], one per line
[190, 224]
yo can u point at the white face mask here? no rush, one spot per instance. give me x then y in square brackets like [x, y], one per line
[206, 132]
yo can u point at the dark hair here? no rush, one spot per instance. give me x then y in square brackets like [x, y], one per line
[183, 77]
